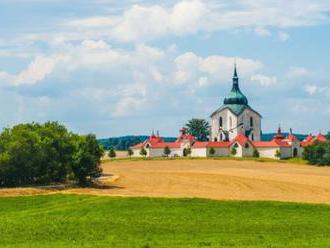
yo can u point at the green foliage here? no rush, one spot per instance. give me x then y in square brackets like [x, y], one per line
[318, 153]
[112, 153]
[278, 154]
[211, 151]
[233, 151]
[87, 159]
[129, 152]
[256, 153]
[167, 151]
[328, 136]
[38, 154]
[186, 152]
[199, 128]
[97, 221]
[143, 152]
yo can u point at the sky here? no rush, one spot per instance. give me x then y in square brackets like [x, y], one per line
[129, 67]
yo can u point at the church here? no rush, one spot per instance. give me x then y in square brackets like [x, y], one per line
[235, 131]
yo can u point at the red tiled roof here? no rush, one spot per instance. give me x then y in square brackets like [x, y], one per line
[321, 138]
[241, 139]
[272, 143]
[209, 144]
[309, 138]
[291, 137]
[166, 144]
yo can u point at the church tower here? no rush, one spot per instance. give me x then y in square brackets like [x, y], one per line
[235, 116]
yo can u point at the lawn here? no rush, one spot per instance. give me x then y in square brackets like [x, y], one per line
[92, 221]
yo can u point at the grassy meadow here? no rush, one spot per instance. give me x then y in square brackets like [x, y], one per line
[63, 220]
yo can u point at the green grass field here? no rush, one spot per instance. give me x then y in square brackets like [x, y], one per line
[92, 221]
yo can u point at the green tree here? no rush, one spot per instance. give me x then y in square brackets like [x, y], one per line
[278, 153]
[199, 128]
[233, 151]
[87, 159]
[317, 153]
[143, 152]
[328, 136]
[167, 151]
[256, 153]
[130, 152]
[186, 152]
[212, 151]
[112, 153]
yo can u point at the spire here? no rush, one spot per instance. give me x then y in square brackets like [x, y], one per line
[235, 76]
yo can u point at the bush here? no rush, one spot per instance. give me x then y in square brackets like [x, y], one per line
[129, 152]
[112, 153]
[211, 151]
[143, 152]
[41, 154]
[167, 151]
[318, 153]
[186, 152]
[256, 153]
[233, 151]
[278, 154]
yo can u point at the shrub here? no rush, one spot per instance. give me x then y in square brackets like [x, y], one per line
[167, 151]
[318, 153]
[256, 153]
[112, 153]
[186, 152]
[278, 154]
[211, 151]
[233, 151]
[129, 152]
[143, 152]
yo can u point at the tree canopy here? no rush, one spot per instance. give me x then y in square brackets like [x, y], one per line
[318, 153]
[47, 153]
[199, 128]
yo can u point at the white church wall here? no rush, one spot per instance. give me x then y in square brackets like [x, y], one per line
[245, 118]
[286, 152]
[219, 152]
[198, 152]
[267, 152]
[159, 152]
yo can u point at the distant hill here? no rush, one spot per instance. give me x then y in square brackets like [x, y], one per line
[124, 142]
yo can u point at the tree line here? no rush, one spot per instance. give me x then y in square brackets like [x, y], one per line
[47, 153]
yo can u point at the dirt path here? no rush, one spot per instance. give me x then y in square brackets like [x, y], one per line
[217, 179]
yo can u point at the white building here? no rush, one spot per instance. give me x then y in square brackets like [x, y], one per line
[235, 116]
[235, 131]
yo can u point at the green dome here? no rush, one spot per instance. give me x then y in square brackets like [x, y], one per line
[235, 96]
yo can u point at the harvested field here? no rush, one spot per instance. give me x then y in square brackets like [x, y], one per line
[214, 179]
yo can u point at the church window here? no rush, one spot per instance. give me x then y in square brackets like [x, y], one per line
[236, 145]
[230, 122]
[252, 137]
[215, 139]
[221, 137]
[246, 145]
[220, 121]
[251, 121]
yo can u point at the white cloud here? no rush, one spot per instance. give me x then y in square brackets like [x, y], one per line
[145, 22]
[313, 89]
[264, 80]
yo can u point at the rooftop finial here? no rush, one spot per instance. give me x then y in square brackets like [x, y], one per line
[235, 69]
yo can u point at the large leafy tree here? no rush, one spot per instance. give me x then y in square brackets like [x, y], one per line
[318, 153]
[328, 136]
[199, 128]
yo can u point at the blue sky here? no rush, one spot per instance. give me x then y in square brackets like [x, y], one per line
[127, 67]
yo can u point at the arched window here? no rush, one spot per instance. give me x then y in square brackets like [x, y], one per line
[236, 145]
[246, 145]
[252, 137]
[251, 121]
[221, 137]
[215, 139]
[220, 121]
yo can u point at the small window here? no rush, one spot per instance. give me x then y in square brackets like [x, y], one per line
[220, 122]
[215, 139]
[246, 145]
[252, 137]
[251, 121]
[236, 145]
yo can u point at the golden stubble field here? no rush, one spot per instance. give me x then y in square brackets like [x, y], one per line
[214, 179]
